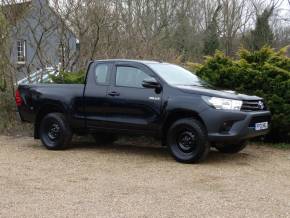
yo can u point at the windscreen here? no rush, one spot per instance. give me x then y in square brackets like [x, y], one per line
[176, 75]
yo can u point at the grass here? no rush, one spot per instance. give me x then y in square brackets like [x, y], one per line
[9, 125]
[274, 145]
[279, 145]
[16, 128]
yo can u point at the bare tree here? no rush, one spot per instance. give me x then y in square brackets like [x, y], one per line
[235, 16]
[4, 62]
[164, 29]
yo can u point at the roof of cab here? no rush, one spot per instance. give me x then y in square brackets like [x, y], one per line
[131, 60]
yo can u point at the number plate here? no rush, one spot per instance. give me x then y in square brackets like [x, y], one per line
[261, 126]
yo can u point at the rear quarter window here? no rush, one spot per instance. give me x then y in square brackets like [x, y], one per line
[102, 74]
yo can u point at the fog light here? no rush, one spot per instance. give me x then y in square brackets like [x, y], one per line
[226, 126]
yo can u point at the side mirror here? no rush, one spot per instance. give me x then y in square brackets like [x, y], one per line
[151, 83]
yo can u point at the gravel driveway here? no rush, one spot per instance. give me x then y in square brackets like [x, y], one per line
[122, 180]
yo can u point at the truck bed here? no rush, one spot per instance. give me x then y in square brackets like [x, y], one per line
[66, 96]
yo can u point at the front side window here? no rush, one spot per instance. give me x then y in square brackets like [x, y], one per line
[21, 51]
[130, 77]
[101, 74]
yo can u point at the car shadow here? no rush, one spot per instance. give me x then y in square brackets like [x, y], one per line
[216, 157]
[157, 151]
[123, 148]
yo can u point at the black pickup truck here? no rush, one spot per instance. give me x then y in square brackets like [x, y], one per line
[146, 98]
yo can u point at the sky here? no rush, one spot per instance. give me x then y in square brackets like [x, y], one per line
[284, 12]
[284, 6]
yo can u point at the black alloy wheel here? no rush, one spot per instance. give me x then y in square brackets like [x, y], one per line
[54, 131]
[187, 140]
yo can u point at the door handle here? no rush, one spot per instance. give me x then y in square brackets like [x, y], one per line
[114, 93]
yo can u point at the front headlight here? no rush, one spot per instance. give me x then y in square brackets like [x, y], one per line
[223, 103]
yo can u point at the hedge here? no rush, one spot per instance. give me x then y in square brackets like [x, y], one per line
[264, 73]
[69, 77]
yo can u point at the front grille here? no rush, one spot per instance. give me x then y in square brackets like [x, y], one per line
[254, 106]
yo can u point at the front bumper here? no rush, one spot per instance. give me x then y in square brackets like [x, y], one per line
[242, 124]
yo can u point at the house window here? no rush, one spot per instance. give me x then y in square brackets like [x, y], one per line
[21, 51]
[78, 47]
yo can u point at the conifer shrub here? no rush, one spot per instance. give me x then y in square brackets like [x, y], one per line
[69, 77]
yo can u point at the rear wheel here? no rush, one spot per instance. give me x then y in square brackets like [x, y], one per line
[54, 131]
[187, 141]
[104, 138]
[231, 148]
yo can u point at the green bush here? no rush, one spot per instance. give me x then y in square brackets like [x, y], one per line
[6, 112]
[7, 105]
[9, 124]
[69, 77]
[264, 73]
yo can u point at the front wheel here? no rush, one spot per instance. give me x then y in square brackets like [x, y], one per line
[55, 132]
[187, 141]
[231, 148]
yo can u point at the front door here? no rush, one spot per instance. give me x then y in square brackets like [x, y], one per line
[95, 95]
[131, 106]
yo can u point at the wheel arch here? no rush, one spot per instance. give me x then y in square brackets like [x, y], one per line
[177, 115]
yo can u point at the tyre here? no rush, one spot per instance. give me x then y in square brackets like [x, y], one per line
[187, 141]
[55, 132]
[231, 148]
[104, 138]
